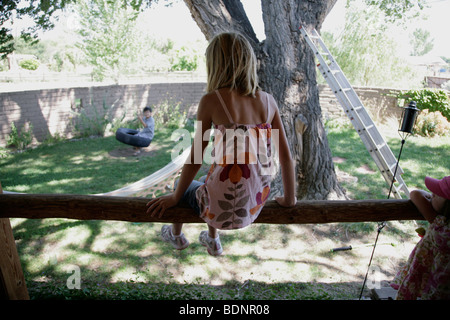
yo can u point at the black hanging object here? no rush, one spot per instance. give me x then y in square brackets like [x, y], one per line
[409, 118]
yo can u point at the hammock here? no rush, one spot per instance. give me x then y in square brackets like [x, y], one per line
[161, 180]
[157, 181]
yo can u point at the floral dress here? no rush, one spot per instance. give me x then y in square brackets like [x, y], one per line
[238, 182]
[426, 274]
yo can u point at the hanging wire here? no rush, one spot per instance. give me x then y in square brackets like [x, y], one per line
[382, 224]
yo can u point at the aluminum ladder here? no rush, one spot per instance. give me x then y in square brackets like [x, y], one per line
[358, 115]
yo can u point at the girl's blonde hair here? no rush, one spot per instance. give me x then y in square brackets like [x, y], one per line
[231, 62]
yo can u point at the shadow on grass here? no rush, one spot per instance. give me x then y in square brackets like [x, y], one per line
[420, 157]
[79, 167]
[107, 253]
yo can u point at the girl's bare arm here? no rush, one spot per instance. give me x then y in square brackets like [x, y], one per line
[287, 164]
[422, 200]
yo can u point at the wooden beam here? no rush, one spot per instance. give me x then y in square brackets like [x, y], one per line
[89, 207]
[12, 280]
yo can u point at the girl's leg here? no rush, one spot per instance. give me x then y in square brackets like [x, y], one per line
[176, 228]
[210, 239]
[212, 232]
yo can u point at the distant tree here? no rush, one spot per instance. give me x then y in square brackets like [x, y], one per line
[399, 10]
[421, 42]
[44, 14]
[41, 11]
[364, 49]
[107, 30]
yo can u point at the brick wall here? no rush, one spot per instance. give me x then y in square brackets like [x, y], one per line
[50, 110]
[380, 103]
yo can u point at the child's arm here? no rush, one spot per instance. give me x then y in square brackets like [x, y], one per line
[287, 164]
[422, 200]
[157, 206]
[142, 121]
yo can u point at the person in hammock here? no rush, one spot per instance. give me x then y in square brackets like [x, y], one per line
[234, 192]
[426, 274]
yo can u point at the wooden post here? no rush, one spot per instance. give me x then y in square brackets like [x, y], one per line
[12, 281]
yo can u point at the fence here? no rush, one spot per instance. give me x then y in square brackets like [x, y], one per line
[51, 111]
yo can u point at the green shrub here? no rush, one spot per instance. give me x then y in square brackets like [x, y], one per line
[169, 115]
[21, 139]
[428, 99]
[184, 60]
[89, 120]
[430, 124]
[30, 64]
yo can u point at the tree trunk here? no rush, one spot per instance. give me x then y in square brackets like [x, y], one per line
[287, 70]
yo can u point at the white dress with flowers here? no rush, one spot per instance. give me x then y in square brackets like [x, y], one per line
[238, 183]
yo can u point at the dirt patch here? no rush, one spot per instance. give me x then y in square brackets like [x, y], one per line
[129, 152]
[339, 160]
[364, 169]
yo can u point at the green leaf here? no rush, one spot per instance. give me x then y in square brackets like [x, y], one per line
[226, 224]
[242, 202]
[241, 213]
[229, 196]
[225, 205]
[224, 216]
[240, 194]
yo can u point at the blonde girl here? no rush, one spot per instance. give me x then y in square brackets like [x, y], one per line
[238, 183]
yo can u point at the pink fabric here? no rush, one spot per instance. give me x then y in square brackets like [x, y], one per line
[426, 274]
[238, 183]
[439, 187]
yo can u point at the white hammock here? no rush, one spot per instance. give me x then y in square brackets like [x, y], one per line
[154, 182]
[157, 181]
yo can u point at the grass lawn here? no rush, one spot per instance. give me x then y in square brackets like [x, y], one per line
[122, 260]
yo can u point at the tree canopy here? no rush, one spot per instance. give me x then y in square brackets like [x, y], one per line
[44, 13]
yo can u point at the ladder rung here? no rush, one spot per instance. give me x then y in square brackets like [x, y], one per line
[392, 166]
[400, 186]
